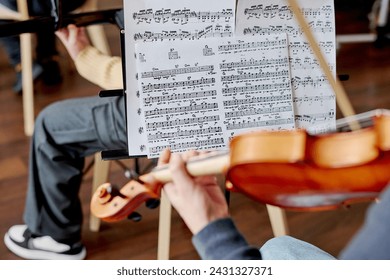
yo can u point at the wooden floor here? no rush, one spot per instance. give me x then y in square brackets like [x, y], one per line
[368, 88]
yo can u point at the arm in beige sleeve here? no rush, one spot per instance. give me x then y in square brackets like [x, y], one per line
[102, 70]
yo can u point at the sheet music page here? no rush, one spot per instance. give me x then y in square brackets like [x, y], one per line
[197, 95]
[314, 100]
[166, 20]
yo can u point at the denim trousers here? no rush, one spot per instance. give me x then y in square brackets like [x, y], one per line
[290, 248]
[65, 133]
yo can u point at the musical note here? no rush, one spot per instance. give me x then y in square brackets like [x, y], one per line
[255, 18]
[154, 22]
[179, 96]
[204, 97]
[209, 31]
[257, 79]
[157, 74]
[181, 122]
[181, 16]
[210, 144]
[254, 123]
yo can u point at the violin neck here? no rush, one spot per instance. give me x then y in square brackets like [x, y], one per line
[213, 164]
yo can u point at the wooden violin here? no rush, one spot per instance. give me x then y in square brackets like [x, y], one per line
[290, 169]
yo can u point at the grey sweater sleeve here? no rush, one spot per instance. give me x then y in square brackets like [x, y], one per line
[221, 240]
[372, 242]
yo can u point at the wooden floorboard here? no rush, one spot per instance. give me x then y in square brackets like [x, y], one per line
[368, 88]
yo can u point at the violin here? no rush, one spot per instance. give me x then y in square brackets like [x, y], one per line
[294, 170]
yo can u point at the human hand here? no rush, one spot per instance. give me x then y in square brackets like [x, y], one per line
[74, 39]
[198, 200]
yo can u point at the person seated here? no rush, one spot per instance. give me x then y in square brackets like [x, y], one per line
[215, 235]
[46, 65]
[65, 133]
[68, 131]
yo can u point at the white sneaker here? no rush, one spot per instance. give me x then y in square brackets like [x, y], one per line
[22, 243]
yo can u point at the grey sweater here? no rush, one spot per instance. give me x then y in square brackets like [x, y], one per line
[222, 240]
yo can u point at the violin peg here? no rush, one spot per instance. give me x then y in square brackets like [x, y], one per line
[135, 216]
[113, 190]
[152, 203]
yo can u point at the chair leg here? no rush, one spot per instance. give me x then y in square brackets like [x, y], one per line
[100, 176]
[164, 228]
[277, 217]
[278, 220]
[27, 83]
[27, 77]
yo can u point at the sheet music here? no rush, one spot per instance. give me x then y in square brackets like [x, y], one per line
[198, 95]
[166, 20]
[314, 99]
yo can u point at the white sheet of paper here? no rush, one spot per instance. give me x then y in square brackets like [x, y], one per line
[197, 95]
[314, 100]
[166, 20]
[191, 21]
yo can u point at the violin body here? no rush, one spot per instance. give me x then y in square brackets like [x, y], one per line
[312, 171]
[290, 169]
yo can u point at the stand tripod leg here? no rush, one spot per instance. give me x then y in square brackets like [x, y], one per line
[278, 220]
[100, 176]
[164, 228]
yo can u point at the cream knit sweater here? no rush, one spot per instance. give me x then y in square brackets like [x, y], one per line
[102, 70]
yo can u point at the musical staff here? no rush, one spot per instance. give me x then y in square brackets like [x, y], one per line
[247, 67]
[184, 133]
[175, 110]
[313, 99]
[181, 16]
[190, 83]
[257, 99]
[254, 63]
[269, 11]
[154, 21]
[186, 104]
[183, 122]
[316, 26]
[283, 12]
[179, 96]
[207, 32]
[255, 18]
[313, 118]
[209, 144]
[248, 76]
[259, 111]
[315, 82]
[256, 88]
[254, 123]
[157, 74]
[252, 45]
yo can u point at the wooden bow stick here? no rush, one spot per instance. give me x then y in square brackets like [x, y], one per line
[341, 97]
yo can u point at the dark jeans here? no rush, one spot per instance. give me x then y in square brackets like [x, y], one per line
[65, 133]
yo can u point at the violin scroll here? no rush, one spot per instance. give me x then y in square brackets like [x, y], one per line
[111, 204]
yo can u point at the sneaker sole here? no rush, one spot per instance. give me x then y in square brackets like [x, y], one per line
[39, 254]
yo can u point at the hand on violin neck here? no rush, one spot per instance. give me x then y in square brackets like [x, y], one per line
[199, 200]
